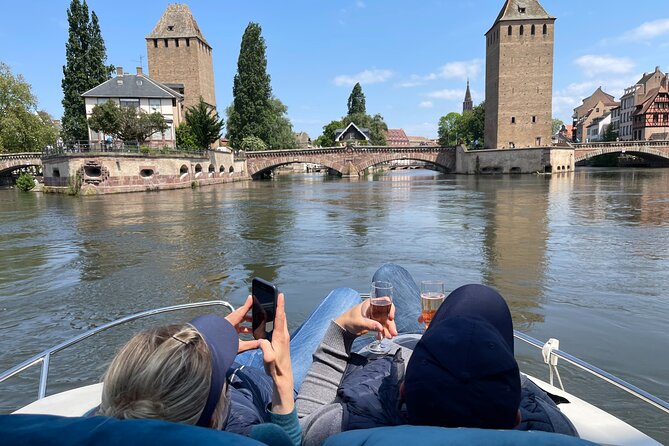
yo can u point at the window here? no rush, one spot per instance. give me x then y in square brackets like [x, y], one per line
[522, 30]
[545, 29]
[521, 10]
[155, 43]
[165, 41]
[170, 27]
[176, 42]
[513, 120]
[534, 119]
[129, 103]
[187, 41]
[154, 105]
[534, 30]
[101, 101]
[510, 30]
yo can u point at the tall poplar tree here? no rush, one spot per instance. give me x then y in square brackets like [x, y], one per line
[356, 101]
[85, 57]
[251, 108]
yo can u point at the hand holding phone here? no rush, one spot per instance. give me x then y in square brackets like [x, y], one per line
[265, 296]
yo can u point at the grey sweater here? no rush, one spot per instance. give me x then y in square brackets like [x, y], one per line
[318, 408]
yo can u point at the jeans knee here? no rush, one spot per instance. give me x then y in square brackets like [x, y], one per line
[389, 270]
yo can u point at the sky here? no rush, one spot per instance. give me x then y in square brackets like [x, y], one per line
[412, 58]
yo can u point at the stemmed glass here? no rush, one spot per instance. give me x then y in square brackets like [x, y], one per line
[381, 298]
[431, 297]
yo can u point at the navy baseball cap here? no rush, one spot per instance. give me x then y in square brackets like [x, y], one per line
[223, 342]
[462, 372]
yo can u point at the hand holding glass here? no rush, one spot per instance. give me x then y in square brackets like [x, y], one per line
[381, 299]
[431, 297]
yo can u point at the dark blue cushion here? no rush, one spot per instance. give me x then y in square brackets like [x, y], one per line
[47, 430]
[438, 436]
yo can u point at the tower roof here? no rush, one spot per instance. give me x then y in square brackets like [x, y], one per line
[177, 21]
[523, 10]
[468, 94]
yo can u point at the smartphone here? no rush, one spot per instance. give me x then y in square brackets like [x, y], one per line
[265, 295]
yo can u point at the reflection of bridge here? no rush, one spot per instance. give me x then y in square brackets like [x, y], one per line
[351, 160]
[651, 150]
[10, 162]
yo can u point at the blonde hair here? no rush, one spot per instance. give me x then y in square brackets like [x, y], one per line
[165, 374]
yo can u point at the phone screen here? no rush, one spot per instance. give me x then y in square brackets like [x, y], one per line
[264, 308]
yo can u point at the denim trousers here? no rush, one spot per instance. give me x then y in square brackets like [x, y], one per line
[307, 337]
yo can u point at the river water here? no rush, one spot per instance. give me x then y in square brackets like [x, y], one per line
[582, 258]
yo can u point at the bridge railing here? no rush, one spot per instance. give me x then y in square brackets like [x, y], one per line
[115, 147]
[337, 150]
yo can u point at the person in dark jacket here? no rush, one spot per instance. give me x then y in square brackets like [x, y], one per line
[461, 372]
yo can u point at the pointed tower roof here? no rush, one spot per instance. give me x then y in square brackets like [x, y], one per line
[523, 10]
[468, 94]
[177, 21]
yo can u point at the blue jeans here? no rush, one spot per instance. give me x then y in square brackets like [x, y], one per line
[305, 340]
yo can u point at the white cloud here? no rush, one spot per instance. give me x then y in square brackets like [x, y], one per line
[447, 94]
[426, 104]
[593, 64]
[648, 30]
[360, 4]
[460, 70]
[365, 77]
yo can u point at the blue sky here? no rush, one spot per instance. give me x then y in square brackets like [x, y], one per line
[412, 57]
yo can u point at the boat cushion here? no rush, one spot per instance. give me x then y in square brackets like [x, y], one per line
[51, 430]
[439, 436]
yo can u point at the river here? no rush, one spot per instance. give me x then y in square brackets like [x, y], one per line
[582, 258]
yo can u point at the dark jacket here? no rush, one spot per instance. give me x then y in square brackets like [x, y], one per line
[250, 396]
[369, 393]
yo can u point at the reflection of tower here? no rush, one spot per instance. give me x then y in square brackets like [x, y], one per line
[519, 76]
[180, 57]
[467, 105]
[515, 245]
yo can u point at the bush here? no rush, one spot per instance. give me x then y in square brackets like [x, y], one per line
[25, 182]
[253, 143]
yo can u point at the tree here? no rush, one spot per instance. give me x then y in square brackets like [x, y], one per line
[25, 182]
[447, 129]
[85, 68]
[556, 125]
[356, 101]
[106, 118]
[204, 123]
[185, 138]
[470, 127]
[253, 143]
[126, 123]
[22, 127]
[281, 134]
[609, 134]
[327, 139]
[251, 91]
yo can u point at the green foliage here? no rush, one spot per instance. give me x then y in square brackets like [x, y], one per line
[356, 101]
[204, 124]
[84, 69]
[25, 182]
[327, 139]
[467, 128]
[447, 129]
[253, 143]
[105, 118]
[185, 138]
[22, 127]
[251, 90]
[556, 125]
[609, 134]
[126, 123]
[281, 134]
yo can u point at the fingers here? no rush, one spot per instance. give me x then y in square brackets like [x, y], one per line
[391, 315]
[268, 353]
[240, 314]
[248, 345]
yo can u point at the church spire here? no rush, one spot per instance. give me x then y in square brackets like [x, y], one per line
[467, 104]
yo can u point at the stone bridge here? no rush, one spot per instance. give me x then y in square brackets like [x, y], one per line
[14, 161]
[351, 160]
[652, 150]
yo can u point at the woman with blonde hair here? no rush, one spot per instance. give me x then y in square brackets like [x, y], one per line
[186, 374]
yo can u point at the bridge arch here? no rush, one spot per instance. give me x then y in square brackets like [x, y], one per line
[11, 162]
[389, 157]
[260, 168]
[584, 153]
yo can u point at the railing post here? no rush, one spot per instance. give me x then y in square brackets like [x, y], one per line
[44, 375]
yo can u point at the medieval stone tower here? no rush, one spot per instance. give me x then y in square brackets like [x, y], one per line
[467, 104]
[519, 76]
[180, 57]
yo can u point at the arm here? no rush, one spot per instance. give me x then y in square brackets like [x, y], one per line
[322, 381]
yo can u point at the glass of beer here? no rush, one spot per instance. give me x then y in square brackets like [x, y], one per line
[431, 297]
[381, 298]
